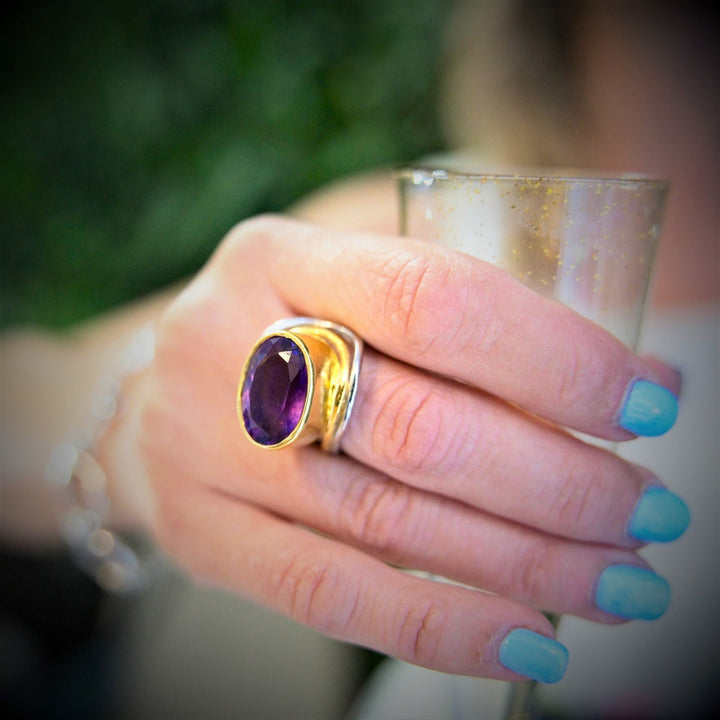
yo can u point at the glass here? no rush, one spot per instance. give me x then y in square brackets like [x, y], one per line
[588, 242]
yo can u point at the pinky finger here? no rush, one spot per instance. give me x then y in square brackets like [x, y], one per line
[346, 594]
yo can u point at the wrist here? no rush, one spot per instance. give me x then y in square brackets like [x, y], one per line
[98, 475]
[118, 452]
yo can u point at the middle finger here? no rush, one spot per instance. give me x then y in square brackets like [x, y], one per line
[445, 437]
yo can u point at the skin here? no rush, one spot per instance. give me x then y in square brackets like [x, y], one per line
[473, 480]
[438, 475]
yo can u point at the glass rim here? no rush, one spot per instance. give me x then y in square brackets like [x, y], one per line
[420, 174]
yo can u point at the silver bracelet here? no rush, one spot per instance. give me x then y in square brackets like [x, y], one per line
[119, 563]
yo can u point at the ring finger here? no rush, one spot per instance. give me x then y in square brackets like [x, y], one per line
[445, 437]
[415, 529]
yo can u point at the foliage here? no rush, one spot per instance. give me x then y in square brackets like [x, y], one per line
[136, 132]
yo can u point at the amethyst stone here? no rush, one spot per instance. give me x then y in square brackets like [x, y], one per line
[274, 390]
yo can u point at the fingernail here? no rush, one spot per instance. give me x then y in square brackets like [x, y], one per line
[533, 655]
[649, 409]
[633, 593]
[660, 516]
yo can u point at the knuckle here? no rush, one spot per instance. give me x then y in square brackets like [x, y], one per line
[408, 289]
[572, 380]
[531, 572]
[586, 374]
[258, 229]
[411, 428]
[247, 242]
[420, 630]
[577, 499]
[314, 590]
[375, 515]
[408, 430]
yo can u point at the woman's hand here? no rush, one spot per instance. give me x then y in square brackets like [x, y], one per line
[453, 460]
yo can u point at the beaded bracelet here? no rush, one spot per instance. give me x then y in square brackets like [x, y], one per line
[120, 563]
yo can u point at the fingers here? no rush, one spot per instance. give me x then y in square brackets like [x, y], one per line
[395, 521]
[452, 314]
[429, 433]
[346, 594]
[462, 479]
[342, 498]
[414, 529]
[443, 437]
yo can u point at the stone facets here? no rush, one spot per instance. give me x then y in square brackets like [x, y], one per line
[274, 390]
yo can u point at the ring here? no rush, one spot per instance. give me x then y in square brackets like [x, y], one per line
[299, 383]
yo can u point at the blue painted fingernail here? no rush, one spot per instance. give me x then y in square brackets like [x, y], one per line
[649, 409]
[660, 516]
[633, 593]
[533, 655]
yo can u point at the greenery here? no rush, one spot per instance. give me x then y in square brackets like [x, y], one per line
[135, 133]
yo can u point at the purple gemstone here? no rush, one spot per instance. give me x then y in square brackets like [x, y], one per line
[274, 391]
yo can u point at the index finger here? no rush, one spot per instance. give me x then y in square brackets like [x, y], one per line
[450, 313]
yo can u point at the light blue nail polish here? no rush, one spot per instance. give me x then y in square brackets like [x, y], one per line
[660, 516]
[533, 655]
[632, 592]
[649, 409]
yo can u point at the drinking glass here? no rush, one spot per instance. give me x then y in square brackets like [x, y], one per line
[585, 241]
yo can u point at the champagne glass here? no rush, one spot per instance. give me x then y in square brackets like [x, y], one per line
[585, 241]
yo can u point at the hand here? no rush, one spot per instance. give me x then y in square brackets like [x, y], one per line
[454, 460]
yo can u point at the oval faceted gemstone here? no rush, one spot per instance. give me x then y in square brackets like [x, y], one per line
[274, 390]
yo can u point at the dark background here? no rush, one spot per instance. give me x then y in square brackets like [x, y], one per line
[135, 133]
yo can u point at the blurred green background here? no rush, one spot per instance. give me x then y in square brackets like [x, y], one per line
[135, 133]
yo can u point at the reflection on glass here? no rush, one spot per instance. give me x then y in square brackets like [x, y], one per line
[587, 242]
